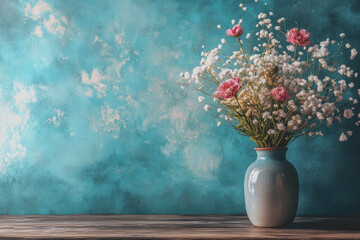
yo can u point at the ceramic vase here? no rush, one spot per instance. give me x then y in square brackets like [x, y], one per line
[271, 189]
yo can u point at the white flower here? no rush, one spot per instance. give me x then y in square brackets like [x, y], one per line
[187, 75]
[263, 33]
[255, 121]
[248, 36]
[348, 113]
[349, 133]
[223, 41]
[351, 85]
[342, 85]
[329, 121]
[282, 114]
[266, 115]
[311, 134]
[277, 28]
[219, 26]
[281, 20]
[233, 21]
[353, 53]
[349, 74]
[182, 74]
[201, 98]
[262, 16]
[290, 48]
[320, 52]
[320, 116]
[244, 8]
[319, 133]
[325, 43]
[267, 21]
[227, 118]
[219, 123]
[271, 13]
[347, 45]
[219, 46]
[241, 5]
[343, 137]
[342, 35]
[280, 126]
[271, 131]
[207, 107]
[219, 109]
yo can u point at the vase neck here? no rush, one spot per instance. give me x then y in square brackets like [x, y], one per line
[275, 154]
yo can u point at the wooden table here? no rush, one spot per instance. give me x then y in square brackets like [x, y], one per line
[170, 227]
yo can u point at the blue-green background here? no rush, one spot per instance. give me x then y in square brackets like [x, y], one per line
[139, 144]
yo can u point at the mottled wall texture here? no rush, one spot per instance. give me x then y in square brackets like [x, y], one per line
[92, 120]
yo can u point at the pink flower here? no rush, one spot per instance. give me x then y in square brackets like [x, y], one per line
[236, 31]
[229, 88]
[295, 37]
[280, 94]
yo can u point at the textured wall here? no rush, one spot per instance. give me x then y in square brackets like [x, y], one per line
[91, 120]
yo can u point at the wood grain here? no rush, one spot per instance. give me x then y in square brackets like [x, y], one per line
[170, 227]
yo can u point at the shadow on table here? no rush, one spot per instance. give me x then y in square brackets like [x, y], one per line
[338, 224]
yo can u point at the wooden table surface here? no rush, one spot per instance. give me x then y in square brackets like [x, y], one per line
[170, 227]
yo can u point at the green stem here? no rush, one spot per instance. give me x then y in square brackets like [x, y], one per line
[295, 51]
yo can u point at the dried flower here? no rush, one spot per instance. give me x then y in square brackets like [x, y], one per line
[353, 55]
[207, 107]
[268, 87]
[343, 137]
[229, 88]
[271, 131]
[348, 113]
[280, 94]
[297, 37]
[236, 31]
[280, 126]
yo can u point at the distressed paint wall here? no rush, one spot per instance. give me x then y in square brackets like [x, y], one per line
[92, 120]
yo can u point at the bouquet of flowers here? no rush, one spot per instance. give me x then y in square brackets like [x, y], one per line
[280, 88]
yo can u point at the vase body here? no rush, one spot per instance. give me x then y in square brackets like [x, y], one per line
[271, 189]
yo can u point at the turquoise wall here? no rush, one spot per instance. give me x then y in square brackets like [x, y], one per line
[91, 120]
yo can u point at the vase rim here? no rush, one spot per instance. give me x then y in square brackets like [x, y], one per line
[271, 148]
